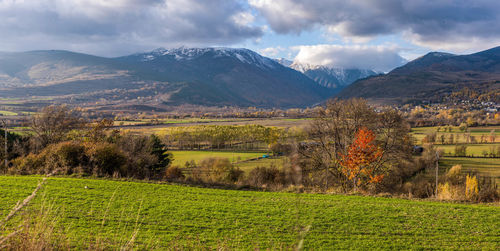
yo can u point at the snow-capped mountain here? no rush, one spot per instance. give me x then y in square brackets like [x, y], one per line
[201, 76]
[185, 54]
[228, 76]
[330, 77]
[284, 61]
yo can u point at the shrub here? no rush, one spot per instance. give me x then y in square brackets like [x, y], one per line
[174, 173]
[488, 190]
[447, 191]
[281, 149]
[266, 177]
[106, 159]
[444, 191]
[460, 150]
[419, 187]
[26, 165]
[454, 175]
[471, 187]
[146, 156]
[216, 170]
[61, 158]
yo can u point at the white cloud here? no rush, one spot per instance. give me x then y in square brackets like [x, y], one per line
[272, 52]
[380, 58]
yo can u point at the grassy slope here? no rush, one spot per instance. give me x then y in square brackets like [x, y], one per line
[187, 217]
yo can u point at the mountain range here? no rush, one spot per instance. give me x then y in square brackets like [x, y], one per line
[233, 77]
[201, 76]
[432, 77]
[332, 77]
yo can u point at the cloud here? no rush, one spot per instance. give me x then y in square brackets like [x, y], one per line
[434, 24]
[272, 52]
[380, 58]
[114, 27]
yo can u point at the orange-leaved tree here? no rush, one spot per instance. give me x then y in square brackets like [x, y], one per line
[361, 163]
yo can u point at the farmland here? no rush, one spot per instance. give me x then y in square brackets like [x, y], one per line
[173, 216]
[420, 132]
[488, 167]
[181, 157]
[246, 161]
[477, 155]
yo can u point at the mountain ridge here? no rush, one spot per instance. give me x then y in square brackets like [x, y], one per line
[432, 77]
[335, 78]
[203, 76]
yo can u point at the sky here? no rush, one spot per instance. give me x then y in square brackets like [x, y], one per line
[371, 34]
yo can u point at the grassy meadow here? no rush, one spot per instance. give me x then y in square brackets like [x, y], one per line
[181, 157]
[115, 214]
[246, 161]
[277, 162]
[7, 113]
[420, 132]
[472, 149]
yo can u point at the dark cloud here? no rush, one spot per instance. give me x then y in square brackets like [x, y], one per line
[115, 27]
[437, 24]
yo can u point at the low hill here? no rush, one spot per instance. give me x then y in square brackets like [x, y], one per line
[104, 213]
[432, 78]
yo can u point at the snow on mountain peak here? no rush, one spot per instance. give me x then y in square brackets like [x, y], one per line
[331, 77]
[186, 53]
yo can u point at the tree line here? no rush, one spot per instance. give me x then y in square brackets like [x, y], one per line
[348, 147]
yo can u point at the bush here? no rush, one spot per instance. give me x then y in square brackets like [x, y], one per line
[62, 158]
[281, 149]
[460, 150]
[468, 187]
[447, 191]
[216, 170]
[174, 173]
[266, 177]
[471, 188]
[146, 156]
[419, 187]
[488, 190]
[106, 159]
[66, 158]
[454, 175]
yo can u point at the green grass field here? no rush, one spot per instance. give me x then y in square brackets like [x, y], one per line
[420, 132]
[180, 217]
[472, 149]
[181, 157]
[455, 129]
[8, 113]
[268, 162]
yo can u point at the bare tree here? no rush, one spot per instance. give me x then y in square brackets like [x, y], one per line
[52, 124]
